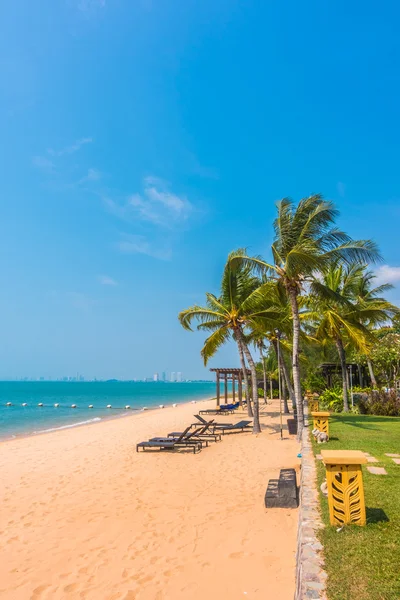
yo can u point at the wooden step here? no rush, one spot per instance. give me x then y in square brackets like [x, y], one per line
[272, 494]
[282, 492]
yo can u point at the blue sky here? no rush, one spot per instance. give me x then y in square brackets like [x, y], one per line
[142, 140]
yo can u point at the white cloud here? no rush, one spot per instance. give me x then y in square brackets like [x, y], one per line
[41, 162]
[387, 274]
[114, 208]
[105, 280]
[155, 205]
[138, 244]
[341, 188]
[92, 175]
[74, 147]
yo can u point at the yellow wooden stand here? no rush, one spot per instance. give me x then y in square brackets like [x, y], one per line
[313, 405]
[321, 421]
[345, 486]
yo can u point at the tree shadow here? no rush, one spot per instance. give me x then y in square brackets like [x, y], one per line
[376, 515]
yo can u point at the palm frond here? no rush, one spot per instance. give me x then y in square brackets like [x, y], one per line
[200, 313]
[214, 342]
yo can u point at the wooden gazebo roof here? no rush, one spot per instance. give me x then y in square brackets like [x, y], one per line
[230, 371]
[224, 375]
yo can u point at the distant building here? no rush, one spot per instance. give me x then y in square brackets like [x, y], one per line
[155, 377]
[179, 376]
[163, 376]
[173, 377]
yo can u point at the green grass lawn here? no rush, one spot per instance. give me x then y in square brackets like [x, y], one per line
[363, 563]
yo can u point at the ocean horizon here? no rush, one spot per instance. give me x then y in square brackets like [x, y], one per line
[28, 407]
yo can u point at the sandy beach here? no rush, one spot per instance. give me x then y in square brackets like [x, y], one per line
[84, 516]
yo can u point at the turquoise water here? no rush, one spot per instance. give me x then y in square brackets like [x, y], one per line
[31, 419]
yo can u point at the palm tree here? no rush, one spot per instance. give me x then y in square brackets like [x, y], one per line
[279, 335]
[245, 378]
[261, 348]
[371, 296]
[340, 314]
[271, 369]
[242, 304]
[305, 242]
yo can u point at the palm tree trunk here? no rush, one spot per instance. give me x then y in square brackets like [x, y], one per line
[285, 397]
[342, 356]
[371, 372]
[271, 391]
[360, 375]
[250, 361]
[264, 375]
[286, 376]
[245, 380]
[295, 360]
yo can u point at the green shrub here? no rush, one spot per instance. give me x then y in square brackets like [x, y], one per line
[381, 403]
[275, 393]
[332, 399]
[314, 382]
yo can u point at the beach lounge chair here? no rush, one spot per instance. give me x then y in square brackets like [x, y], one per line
[186, 437]
[238, 427]
[207, 432]
[170, 444]
[204, 422]
[227, 409]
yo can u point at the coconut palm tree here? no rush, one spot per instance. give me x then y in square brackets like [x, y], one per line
[279, 335]
[271, 369]
[306, 241]
[243, 304]
[340, 314]
[368, 295]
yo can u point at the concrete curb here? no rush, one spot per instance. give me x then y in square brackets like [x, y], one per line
[310, 575]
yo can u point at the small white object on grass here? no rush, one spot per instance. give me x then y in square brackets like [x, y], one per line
[40, 404]
[9, 404]
[127, 406]
[90, 405]
[56, 405]
[109, 406]
[73, 405]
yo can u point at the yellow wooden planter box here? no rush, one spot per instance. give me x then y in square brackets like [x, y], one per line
[313, 405]
[321, 421]
[345, 486]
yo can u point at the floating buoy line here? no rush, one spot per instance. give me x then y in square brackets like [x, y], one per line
[108, 406]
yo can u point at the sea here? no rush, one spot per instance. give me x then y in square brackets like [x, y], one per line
[29, 408]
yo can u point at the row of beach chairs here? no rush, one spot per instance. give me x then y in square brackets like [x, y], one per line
[224, 408]
[196, 436]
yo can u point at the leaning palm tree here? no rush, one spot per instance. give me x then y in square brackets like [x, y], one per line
[243, 304]
[340, 314]
[306, 241]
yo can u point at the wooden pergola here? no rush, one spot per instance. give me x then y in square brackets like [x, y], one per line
[230, 375]
[357, 372]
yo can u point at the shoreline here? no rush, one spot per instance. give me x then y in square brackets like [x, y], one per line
[131, 412]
